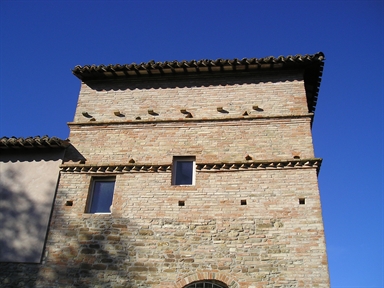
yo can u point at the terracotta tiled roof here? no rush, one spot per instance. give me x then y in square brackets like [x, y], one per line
[32, 142]
[312, 65]
[89, 72]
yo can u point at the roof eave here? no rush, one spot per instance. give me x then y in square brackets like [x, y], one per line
[312, 65]
[36, 142]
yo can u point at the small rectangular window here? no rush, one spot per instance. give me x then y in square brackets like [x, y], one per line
[101, 195]
[183, 170]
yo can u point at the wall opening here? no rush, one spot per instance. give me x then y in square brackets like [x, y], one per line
[207, 284]
[69, 203]
[101, 195]
[183, 170]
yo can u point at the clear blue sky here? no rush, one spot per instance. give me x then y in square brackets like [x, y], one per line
[41, 41]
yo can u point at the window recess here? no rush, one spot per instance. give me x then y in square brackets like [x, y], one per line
[183, 170]
[101, 195]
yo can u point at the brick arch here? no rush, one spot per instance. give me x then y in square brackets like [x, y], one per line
[210, 283]
[207, 275]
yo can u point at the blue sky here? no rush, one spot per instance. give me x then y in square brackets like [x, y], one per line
[41, 41]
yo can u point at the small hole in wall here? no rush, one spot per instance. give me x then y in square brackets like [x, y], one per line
[181, 203]
[69, 203]
[243, 202]
[301, 201]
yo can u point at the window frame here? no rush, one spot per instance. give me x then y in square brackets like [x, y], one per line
[91, 192]
[174, 169]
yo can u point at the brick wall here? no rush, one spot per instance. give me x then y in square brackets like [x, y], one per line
[200, 96]
[210, 141]
[244, 226]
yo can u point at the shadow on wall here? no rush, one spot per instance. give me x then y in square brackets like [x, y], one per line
[79, 252]
[23, 228]
[187, 81]
[23, 219]
[91, 252]
[73, 155]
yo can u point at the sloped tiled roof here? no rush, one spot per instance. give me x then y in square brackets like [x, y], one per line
[312, 65]
[32, 142]
[89, 72]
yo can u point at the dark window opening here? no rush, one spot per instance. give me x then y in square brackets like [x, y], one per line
[183, 170]
[101, 195]
[207, 284]
[69, 203]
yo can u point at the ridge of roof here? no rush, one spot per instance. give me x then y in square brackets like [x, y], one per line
[32, 142]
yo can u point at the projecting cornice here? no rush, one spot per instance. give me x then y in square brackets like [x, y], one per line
[201, 167]
[190, 120]
[95, 72]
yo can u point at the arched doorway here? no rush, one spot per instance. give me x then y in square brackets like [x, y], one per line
[207, 284]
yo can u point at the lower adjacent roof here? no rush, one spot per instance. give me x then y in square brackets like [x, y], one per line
[32, 142]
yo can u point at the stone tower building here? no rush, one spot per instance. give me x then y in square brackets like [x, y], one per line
[191, 174]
